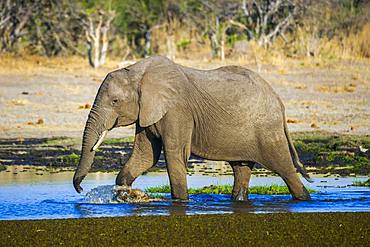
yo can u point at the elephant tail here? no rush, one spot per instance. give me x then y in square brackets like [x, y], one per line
[293, 152]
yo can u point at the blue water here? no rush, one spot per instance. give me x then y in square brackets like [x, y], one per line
[51, 196]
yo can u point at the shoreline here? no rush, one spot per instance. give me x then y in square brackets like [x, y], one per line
[322, 153]
[329, 229]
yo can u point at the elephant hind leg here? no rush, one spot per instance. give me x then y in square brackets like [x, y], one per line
[296, 187]
[242, 174]
[279, 160]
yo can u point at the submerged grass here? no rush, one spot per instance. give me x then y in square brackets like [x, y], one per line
[273, 189]
[362, 183]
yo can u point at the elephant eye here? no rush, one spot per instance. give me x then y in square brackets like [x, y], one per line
[115, 101]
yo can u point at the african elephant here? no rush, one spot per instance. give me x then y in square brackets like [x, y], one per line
[229, 114]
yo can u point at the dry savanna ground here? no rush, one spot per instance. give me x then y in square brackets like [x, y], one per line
[42, 97]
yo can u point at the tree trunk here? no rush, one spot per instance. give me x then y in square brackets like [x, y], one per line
[89, 54]
[148, 43]
[97, 38]
[104, 48]
[214, 38]
[171, 48]
[214, 44]
[97, 49]
[222, 51]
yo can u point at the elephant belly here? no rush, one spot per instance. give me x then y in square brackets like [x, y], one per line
[224, 146]
[236, 142]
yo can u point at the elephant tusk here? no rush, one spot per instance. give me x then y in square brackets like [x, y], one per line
[101, 138]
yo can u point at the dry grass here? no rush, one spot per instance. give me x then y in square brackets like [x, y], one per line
[308, 51]
[293, 120]
[285, 57]
[29, 64]
[350, 88]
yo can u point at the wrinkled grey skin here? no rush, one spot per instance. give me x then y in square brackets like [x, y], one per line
[229, 113]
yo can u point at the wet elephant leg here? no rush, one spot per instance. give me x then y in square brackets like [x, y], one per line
[176, 132]
[242, 174]
[176, 168]
[279, 160]
[296, 187]
[177, 156]
[146, 151]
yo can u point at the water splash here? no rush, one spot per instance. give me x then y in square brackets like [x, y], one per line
[116, 194]
[101, 194]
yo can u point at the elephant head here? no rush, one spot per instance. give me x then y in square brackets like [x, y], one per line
[141, 93]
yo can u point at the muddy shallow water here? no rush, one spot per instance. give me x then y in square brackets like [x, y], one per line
[30, 196]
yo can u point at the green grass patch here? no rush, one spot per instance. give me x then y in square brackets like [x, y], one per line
[66, 141]
[62, 141]
[71, 158]
[2, 168]
[362, 183]
[119, 140]
[227, 189]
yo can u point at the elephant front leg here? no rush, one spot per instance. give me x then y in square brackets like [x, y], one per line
[176, 168]
[146, 151]
[242, 175]
[176, 133]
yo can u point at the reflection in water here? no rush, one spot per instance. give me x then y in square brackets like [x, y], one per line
[53, 196]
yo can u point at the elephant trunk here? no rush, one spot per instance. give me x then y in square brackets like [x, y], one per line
[92, 138]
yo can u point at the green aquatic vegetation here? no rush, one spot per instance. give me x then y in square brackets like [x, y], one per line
[361, 183]
[273, 189]
[156, 196]
[321, 141]
[323, 149]
[237, 229]
[2, 168]
[330, 140]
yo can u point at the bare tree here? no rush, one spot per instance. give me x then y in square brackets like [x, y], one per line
[213, 17]
[97, 27]
[55, 28]
[268, 19]
[14, 15]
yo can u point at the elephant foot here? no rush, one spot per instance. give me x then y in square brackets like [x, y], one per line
[179, 194]
[304, 196]
[241, 195]
[180, 197]
[124, 180]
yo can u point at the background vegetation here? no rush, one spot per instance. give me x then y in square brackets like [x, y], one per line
[204, 29]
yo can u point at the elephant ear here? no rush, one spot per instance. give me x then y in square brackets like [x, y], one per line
[161, 88]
